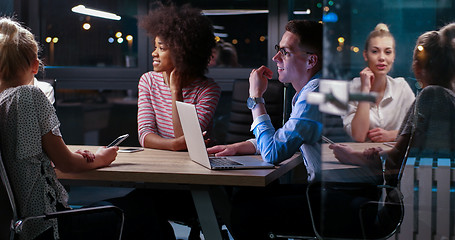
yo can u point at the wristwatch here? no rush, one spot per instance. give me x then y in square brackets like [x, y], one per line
[251, 102]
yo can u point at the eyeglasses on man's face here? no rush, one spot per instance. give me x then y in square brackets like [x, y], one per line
[286, 53]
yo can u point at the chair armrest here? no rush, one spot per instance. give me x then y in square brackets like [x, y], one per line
[18, 225]
[97, 209]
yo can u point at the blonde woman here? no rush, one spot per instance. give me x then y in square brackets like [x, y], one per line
[31, 144]
[432, 113]
[378, 122]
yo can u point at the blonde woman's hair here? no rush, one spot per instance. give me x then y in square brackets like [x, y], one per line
[381, 30]
[381, 27]
[18, 49]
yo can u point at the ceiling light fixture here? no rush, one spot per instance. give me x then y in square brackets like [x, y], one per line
[215, 12]
[96, 13]
[306, 12]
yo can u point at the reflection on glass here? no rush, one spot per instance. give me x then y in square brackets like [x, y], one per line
[85, 40]
[225, 55]
[242, 24]
[241, 43]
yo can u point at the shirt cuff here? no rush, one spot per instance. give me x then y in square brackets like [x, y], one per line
[262, 118]
[254, 142]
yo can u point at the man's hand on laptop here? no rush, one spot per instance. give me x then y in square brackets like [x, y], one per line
[240, 148]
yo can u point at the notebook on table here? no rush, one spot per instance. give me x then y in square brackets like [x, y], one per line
[198, 151]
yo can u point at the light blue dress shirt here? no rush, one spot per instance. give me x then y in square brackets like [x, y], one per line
[302, 131]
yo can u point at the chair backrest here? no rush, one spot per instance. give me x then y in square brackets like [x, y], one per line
[427, 167]
[432, 137]
[240, 118]
[434, 133]
[8, 212]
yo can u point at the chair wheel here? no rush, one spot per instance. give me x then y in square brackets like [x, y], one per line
[272, 236]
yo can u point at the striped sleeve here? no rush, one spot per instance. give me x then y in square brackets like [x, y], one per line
[155, 104]
[146, 113]
[207, 100]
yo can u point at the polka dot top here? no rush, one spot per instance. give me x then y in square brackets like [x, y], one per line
[25, 116]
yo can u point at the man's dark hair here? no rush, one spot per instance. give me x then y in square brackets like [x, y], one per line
[309, 33]
[187, 33]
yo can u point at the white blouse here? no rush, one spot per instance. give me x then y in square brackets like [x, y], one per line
[392, 109]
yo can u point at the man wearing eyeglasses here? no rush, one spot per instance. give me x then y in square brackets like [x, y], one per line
[299, 62]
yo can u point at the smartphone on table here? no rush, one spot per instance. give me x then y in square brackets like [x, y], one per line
[130, 150]
[118, 140]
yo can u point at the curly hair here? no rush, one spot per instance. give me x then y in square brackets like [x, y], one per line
[187, 33]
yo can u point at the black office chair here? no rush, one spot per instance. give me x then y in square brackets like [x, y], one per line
[12, 223]
[377, 219]
[240, 118]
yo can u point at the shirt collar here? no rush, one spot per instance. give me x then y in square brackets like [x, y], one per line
[309, 86]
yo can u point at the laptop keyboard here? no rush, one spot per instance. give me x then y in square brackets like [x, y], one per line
[223, 161]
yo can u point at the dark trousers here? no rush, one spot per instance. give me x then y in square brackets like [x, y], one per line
[148, 211]
[344, 211]
[283, 208]
[277, 208]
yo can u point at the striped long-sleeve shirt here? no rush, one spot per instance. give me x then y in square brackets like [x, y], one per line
[155, 104]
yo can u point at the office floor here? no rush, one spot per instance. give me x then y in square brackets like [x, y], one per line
[82, 195]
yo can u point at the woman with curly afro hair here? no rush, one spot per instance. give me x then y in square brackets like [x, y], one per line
[183, 40]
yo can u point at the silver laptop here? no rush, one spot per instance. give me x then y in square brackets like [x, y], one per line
[196, 145]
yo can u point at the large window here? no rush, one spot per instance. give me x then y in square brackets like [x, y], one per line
[74, 39]
[71, 37]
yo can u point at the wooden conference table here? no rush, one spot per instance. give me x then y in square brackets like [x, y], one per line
[334, 171]
[153, 168]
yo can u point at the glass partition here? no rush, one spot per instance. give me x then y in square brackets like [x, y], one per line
[347, 24]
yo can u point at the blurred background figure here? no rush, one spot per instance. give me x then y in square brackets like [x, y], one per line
[46, 87]
[224, 55]
[227, 55]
